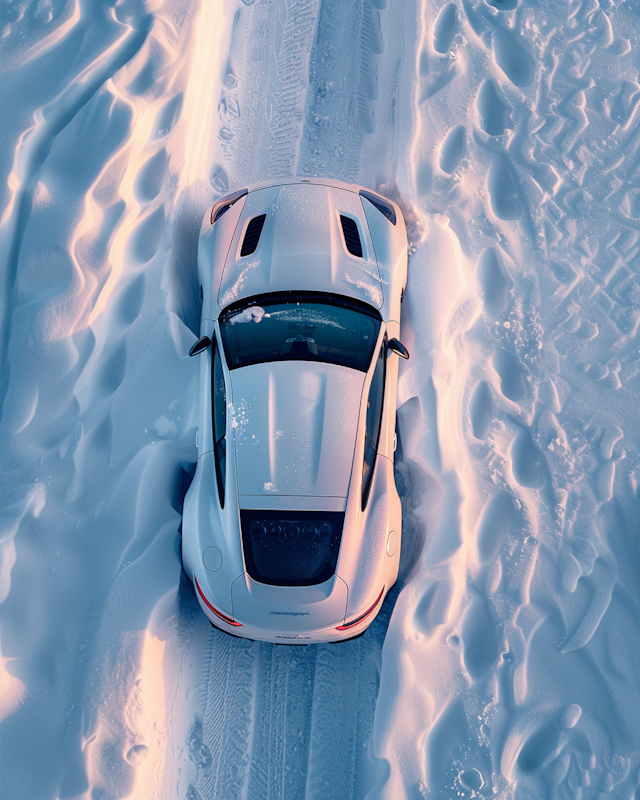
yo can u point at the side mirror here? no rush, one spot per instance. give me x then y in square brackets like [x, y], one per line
[396, 346]
[200, 346]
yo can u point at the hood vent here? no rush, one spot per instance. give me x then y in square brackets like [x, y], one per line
[351, 236]
[252, 235]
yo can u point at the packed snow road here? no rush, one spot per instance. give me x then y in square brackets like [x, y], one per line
[504, 663]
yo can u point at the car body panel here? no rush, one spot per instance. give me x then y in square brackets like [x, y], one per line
[390, 247]
[207, 525]
[295, 427]
[213, 246]
[383, 242]
[293, 502]
[301, 246]
[364, 564]
[289, 608]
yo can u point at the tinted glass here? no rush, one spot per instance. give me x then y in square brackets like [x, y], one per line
[291, 548]
[299, 330]
[374, 419]
[219, 403]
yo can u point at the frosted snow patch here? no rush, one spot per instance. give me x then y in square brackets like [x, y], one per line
[165, 427]
[251, 314]
[239, 415]
[373, 293]
[305, 316]
[233, 293]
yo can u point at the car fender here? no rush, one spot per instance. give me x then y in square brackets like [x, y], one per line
[390, 245]
[213, 248]
[206, 525]
[364, 564]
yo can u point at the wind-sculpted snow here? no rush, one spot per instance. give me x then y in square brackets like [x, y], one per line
[503, 664]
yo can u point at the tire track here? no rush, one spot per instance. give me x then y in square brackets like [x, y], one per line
[343, 89]
[220, 743]
[311, 709]
[283, 714]
[268, 63]
[347, 678]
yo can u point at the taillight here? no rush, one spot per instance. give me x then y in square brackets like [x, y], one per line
[222, 616]
[353, 622]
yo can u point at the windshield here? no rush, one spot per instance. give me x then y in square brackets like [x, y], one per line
[300, 329]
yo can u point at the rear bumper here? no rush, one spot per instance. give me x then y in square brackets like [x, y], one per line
[299, 639]
[303, 637]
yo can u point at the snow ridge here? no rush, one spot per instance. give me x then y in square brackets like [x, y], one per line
[503, 662]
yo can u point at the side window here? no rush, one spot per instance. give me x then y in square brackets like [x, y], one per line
[219, 404]
[374, 419]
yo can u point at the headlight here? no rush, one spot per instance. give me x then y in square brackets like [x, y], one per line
[225, 203]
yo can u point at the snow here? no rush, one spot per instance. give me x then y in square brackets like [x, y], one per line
[251, 314]
[504, 662]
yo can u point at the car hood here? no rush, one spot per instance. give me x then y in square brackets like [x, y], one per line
[295, 426]
[301, 246]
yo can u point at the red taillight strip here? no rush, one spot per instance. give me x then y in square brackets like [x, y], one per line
[353, 622]
[222, 616]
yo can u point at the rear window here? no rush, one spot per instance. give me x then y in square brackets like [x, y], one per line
[374, 418]
[299, 329]
[291, 548]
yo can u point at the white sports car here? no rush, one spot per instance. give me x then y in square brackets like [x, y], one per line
[292, 524]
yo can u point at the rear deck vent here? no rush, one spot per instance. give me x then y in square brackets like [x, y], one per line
[351, 236]
[252, 235]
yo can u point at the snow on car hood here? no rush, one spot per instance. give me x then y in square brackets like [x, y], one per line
[301, 246]
[295, 425]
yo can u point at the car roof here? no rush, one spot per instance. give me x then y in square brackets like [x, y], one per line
[295, 426]
[302, 246]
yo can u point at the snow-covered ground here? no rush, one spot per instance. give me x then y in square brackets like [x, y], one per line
[505, 662]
